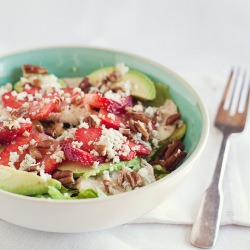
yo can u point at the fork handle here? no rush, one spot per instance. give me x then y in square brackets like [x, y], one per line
[206, 226]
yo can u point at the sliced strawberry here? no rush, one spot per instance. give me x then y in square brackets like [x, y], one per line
[50, 163]
[88, 137]
[16, 146]
[97, 100]
[8, 134]
[140, 149]
[10, 100]
[111, 120]
[40, 111]
[76, 154]
[13, 147]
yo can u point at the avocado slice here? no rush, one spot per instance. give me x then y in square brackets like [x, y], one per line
[18, 87]
[25, 183]
[141, 86]
[80, 170]
[178, 133]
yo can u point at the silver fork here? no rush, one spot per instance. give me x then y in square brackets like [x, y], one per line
[230, 118]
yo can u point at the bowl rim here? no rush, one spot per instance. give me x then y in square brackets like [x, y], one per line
[170, 177]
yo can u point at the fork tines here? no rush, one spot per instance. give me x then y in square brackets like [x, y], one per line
[236, 95]
[233, 108]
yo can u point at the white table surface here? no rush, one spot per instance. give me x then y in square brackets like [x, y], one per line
[188, 36]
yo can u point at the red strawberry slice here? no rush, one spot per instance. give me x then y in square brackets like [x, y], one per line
[111, 120]
[131, 155]
[37, 108]
[10, 100]
[40, 111]
[8, 134]
[88, 137]
[16, 146]
[97, 100]
[140, 149]
[50, 163]
[76, 154]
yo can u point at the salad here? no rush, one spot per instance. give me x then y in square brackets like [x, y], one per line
[109, 132]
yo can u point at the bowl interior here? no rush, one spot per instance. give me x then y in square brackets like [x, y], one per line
[62, 61]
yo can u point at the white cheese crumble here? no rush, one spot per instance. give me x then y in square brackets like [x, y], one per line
[84, 125]
[14, 157]
[58, 156]
[150, 111]
[77, 144]
[27, 86]
[44, 175]
[23, 147]
[49, 83]
[26, 133]
[27, 162]
[122, 68]
[111, 116]
[9, 109]
[95, 164]
[113, 96]
[32, 142]
[30, 98]
[77, 90]
[21, 96]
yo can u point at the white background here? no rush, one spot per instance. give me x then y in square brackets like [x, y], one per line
[188, 36]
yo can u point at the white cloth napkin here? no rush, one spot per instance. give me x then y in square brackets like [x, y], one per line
[181, 207]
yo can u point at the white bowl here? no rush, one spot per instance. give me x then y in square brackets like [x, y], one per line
[102, 213]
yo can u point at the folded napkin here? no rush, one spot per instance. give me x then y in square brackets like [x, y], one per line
[182, 206]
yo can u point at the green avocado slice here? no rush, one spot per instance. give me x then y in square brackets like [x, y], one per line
[78, 169]
[25, 183]
[141, 86]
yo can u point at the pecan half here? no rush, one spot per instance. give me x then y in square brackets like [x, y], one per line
[100, 149]
[85, 84]
[111, 187]
[33, 169]
[125, 131]
[174, 154]
[29, 69]
[90, 121]
[52, 128]
[134, 179]
[171, 163]
[139, 116]
[140, 123]
[141, 128]
[16, 113]
[173, 118]
[131, 177]
[172, 148]
[45, 144]
[64, 176]
[39, 128]
[34, 152]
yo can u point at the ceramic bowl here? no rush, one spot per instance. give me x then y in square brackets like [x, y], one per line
[97, 214]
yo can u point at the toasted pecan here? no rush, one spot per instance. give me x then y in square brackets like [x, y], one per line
[173, 118]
